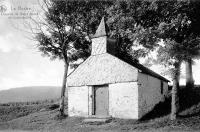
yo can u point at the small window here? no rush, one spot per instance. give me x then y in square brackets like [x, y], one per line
[161, 87]
[169, 88]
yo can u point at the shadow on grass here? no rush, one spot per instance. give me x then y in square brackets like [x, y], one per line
[188, 98]
[189, 105]
[60, 117]
[189, 102]
[161, 109]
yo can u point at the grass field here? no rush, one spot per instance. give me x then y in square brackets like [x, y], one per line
[48, 121]
[43, 117]
[10, 111]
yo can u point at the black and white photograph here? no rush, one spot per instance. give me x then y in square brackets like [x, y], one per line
[99, 66]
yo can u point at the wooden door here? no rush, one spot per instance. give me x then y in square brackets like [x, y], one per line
[101, 100]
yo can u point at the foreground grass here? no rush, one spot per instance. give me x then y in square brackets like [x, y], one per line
[47, 121]
[10, 111]
[43, 117]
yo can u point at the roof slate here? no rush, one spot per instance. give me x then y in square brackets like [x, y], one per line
[102, 69]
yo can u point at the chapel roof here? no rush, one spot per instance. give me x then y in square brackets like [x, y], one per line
[106, 67]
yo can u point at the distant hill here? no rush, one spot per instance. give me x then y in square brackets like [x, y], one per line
[24, 94]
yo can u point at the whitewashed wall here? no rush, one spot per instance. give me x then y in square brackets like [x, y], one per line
[149, 89]
[78, 101]
[123, 100]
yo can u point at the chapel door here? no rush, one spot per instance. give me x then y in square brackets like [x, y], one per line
[101, 100]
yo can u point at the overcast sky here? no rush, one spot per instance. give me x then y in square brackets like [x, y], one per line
[21, 64]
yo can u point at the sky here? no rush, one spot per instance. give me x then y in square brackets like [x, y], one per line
[21, 64]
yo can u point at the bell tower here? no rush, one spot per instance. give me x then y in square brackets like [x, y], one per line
[101, 43]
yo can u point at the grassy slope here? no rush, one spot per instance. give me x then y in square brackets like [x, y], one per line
[10, 111]
[47, 120]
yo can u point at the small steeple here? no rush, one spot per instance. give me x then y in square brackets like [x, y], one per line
[101, 30]
[101, 43]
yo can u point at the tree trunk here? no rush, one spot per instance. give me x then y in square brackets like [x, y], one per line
[62, 100]
[189, 76]
[175, 91]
